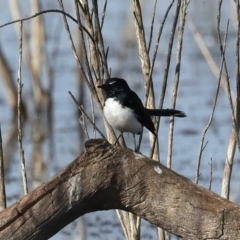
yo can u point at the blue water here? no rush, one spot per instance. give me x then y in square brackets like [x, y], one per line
[196, 94]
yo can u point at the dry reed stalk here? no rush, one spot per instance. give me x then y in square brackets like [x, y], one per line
[85, 114]
[207, 55]
[94, 56]
[80, 87]
[182, 9]
[183, 12]
[20, 86]
[164, 84]
[169, 55]
[234, 137]
[145, 65]
[3, 203]
[213, 109]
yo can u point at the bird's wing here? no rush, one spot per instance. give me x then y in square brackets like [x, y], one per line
[135, 103]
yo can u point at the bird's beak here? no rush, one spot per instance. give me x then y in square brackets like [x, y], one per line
[104, 86]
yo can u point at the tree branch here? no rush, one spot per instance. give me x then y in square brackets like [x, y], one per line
[109, 177]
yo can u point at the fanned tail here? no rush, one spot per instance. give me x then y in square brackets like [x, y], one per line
[166, 112]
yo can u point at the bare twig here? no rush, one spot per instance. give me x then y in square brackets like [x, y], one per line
[206, 53]
[166, 72]
[147, 68]
[93, 116]
[100, 46]
[145, 64]
[213, 110]
[104, 13]
[93, 52]
[2, 182]
[182, 8]
[235, 117]
[131, 222]
[184, 5]
[83, 112]
[20, 86]
[205, 146]
[237, 58]
[94, 55]
[37, 14]
[234, 138]
[73, 46]
[47, 11]
[89, 83]
[159, 36]
[90, 78]
[152, 25]
[211, 174]
[143, 52]
[169, 55]
[122, 222]
[83, 124]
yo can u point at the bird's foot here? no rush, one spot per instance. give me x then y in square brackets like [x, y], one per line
[137, 151]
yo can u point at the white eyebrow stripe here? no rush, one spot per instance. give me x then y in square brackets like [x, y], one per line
[112, 82]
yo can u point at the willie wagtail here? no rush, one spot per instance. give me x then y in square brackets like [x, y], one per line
[124, 111]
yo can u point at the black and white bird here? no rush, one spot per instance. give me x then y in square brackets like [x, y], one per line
[124, 111]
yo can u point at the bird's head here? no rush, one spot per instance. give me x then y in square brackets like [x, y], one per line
[114, 86]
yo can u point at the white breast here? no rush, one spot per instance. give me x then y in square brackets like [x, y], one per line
[122, 119]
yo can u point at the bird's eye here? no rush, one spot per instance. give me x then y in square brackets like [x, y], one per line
[112, 82]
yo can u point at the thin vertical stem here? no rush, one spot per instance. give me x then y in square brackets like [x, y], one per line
[169, 55]
[2, 182]
[152, 25]
[234, 138]
[213, 110]
[183, 11]
[167, 64]
[20, 86]
[237, 49]
[237, 115]
[100, 45]
[145, 63]
[104, 13]
[211, 174]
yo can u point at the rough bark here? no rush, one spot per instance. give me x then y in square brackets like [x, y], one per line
[108, 177]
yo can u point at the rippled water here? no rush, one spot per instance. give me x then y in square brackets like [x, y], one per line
[196, 95]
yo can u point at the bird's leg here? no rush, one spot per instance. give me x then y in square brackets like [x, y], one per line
[135, 143]
[118, 138]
